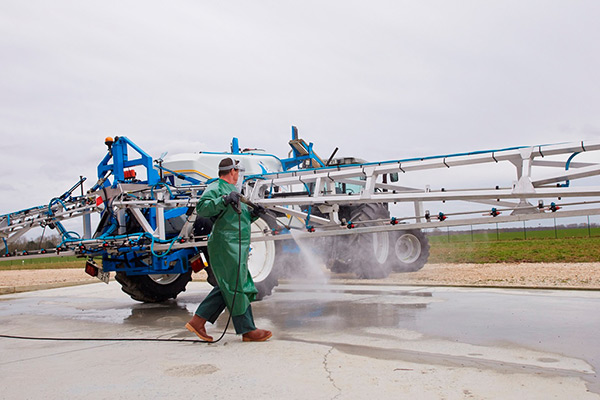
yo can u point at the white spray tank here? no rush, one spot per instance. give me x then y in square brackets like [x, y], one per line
[204, 166]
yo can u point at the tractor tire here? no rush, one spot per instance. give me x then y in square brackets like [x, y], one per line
[338, 267]
[409, 250]
[154, 288]
[364, 254]
[265, 261]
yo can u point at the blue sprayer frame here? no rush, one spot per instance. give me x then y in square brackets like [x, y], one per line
[133, 260]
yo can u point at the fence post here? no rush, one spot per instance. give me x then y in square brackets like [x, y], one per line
[589, 228]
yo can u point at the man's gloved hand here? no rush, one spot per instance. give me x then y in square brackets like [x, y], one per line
[232, 198]
[258, 210]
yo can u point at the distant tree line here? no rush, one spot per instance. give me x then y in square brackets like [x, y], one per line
[46, 242]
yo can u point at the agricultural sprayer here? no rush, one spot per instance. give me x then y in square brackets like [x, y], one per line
[148, 233]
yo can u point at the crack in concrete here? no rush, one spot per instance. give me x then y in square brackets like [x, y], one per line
[326, 367]
[60, 353]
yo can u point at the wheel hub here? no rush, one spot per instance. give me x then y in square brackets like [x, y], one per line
[381, 244]
[262, 254]
[408, 248]
[164, 279]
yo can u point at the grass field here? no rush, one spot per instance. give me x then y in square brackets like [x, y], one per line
[42, 263]
[561, 245]
[511, 251]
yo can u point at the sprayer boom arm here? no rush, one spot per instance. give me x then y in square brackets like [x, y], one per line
[298, 194]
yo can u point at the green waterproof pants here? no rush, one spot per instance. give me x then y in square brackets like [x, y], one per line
[214, 304]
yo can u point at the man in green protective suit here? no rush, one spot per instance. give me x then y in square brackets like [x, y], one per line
[233, 219]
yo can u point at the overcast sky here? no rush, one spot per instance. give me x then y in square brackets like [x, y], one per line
[378, 79]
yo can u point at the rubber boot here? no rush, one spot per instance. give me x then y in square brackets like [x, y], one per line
[257, 335]
[196, 325]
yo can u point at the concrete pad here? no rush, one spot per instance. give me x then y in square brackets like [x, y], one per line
[330, 341]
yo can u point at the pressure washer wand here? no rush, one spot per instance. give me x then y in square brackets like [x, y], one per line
[264, 215]
[248, 202]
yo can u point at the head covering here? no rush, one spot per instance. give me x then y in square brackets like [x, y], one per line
[228, 164]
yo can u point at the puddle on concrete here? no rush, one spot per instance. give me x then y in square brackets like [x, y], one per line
[537, 320]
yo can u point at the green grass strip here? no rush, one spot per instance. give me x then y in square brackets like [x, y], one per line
[513, 251]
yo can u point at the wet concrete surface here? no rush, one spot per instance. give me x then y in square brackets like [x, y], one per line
[330, 341]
